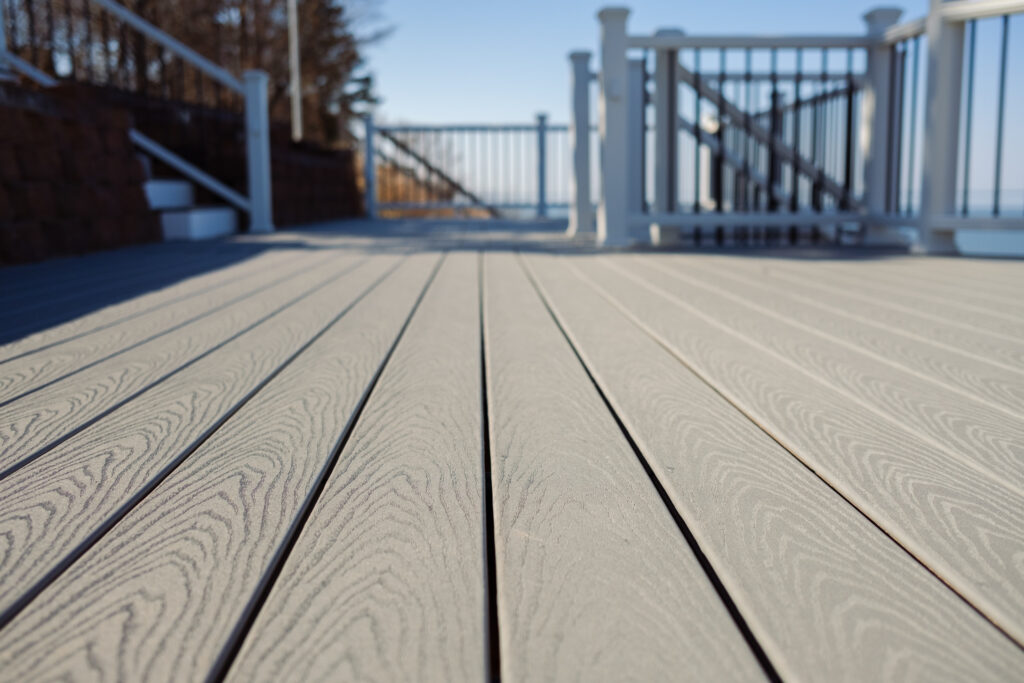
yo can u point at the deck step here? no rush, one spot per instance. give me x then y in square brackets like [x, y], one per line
[169, 194]
[199, 223]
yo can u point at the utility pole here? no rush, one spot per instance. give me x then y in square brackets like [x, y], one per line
[293, 69]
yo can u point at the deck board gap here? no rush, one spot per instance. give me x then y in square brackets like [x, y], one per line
[493, 644]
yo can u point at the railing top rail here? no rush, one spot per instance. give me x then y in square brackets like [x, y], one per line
[678, 42]
[965, 10]
[468, 128]
[901, 32]
[183, 51]
[26, 69]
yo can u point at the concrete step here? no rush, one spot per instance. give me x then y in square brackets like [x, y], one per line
[169, 194]
[199, 223]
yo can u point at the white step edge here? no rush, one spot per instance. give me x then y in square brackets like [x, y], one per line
[169, 194]
[200, 223]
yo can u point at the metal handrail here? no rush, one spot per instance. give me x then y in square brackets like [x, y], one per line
[183, 51]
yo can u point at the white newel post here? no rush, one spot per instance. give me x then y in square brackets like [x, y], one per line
[874, 134]
[941, 130]
[542, 161]
[581, 210]
[257, 148]
[369, 168]
[612, 212]
[636, 106]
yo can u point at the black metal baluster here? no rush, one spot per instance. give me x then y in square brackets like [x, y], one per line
[1000, 117]
[775, 125]
[719, 175]
[30, 10]
[696, 138]
[69, 34]
[848, 146]
[794, 197]
[87, 17]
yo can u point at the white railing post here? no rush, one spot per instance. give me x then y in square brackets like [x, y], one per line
[612, 211]
[257, 148]
[542, 162]
[941, 129]
[581, 210]
[369, 167]
[636, 107]
[874, 136]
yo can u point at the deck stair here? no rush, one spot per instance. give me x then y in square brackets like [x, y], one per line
[181, 218]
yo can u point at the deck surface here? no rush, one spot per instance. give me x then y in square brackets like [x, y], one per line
[423, 452]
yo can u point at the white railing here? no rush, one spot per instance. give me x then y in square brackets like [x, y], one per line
[471, 169]
[797, 186]
[252, 87]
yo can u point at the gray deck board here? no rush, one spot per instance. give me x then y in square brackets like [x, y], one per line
[46, 416]
[957, 521]
[708, 466]
[964, 372]
[184, 579]
[793, 554]
[23, 375]
[387, 579]
[597, 580]
[80, 486]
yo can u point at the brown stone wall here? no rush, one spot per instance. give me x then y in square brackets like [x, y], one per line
[70, 181]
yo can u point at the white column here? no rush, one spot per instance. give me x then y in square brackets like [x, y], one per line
[257, 149]
[941, 129]
[542, 162]
[636, 107]
[369, 168]
[612, 228]
[874, 135]
[581, 210]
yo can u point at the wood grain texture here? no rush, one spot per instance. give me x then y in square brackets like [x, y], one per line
[386, 582]
[941, 330]
[51, 506]
[595, 580]
[51, 413]
[997, 326]
[828, 595]
[25, 374]
[986, 438]
[940, 285]
[157, 598]
[959, 523]
[961, 371]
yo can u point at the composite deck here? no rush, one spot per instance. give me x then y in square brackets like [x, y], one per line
[400, 453]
